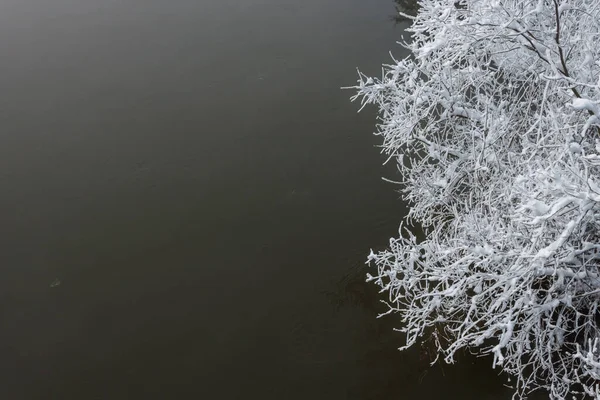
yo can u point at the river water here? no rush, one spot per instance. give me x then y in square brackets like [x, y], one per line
[187, 202]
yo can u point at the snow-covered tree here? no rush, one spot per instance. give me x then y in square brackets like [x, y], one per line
[494, 123]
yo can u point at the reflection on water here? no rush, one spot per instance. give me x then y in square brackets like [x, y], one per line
[407, 7]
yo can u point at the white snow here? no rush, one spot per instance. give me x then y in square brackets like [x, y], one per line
[503, 174]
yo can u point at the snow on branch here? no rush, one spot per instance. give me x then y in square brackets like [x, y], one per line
[494, 121]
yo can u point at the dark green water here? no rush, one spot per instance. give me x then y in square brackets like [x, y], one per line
[187, 202]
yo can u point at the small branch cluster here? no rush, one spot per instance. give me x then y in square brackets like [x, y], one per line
[494, 122]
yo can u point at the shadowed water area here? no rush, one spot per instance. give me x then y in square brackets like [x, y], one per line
[188, 199]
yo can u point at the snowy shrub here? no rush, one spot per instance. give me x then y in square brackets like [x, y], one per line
[494, 123]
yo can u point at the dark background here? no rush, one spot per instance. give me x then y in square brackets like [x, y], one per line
[188, 199]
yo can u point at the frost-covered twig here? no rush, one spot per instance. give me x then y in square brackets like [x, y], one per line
[493, 121]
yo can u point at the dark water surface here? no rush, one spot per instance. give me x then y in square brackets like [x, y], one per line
[187, 202]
